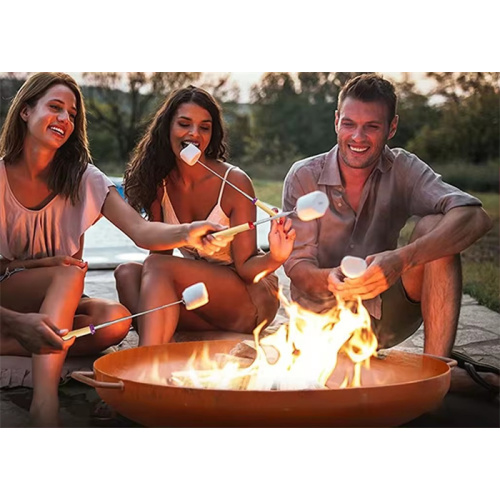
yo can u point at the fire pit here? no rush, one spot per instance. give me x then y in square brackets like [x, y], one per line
[395, 390]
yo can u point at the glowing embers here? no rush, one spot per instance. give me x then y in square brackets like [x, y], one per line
[301, 355]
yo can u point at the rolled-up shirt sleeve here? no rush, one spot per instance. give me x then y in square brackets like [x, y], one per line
[430, 194]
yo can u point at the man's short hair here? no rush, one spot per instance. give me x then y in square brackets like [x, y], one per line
[370, 87]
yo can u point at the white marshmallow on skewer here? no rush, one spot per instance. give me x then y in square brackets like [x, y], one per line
[190, 154]
[312, 206]
[309, 207]
[195, 296]
[352, 267]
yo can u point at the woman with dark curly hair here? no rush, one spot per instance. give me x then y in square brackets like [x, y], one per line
[50, 195]
[169, 190]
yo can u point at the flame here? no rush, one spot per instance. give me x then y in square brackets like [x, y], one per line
[300, 355]
[260, 276]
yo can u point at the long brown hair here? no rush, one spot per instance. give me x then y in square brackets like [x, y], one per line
[71, 159]
[153, 158]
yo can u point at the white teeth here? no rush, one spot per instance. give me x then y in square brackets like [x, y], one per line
[57, 130]
[186, 143]
[358, 150]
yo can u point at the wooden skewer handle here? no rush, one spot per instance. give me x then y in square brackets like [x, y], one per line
[264, 207]
[78, 333]
[233, 230]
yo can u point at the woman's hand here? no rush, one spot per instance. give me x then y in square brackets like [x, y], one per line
[199, 237]
[35, 332]
[61, 260]
[281, 239]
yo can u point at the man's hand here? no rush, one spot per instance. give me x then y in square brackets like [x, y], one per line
[37, 334]
[199, 237]
[384, 269]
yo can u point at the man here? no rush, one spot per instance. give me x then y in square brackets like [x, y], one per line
[35, 332]
[373, 191]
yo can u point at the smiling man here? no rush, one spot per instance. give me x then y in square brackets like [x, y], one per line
[373, 191]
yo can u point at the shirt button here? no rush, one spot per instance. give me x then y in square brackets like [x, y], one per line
[339, 204]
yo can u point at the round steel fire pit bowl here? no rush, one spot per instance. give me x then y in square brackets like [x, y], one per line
[395, 390]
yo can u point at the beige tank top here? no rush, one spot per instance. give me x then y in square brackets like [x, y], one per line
[216, 216]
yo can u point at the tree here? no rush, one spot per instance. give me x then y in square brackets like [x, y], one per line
[468, 127]
[293, 117]
[10, 83]
[120, 104]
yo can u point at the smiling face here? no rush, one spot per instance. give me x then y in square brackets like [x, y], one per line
[363, 130]
[191, 124]
[51, 121]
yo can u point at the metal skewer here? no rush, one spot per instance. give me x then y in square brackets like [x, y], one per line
[309, 207]
[191, 154]
[193, 297]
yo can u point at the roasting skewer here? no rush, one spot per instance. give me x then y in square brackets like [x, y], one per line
[193, 296]
[309, 207]
[191, 155]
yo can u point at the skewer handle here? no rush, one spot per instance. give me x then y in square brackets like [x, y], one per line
[80, 332]
[234, 230]
[264, 207]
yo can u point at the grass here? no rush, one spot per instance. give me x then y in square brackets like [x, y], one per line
[481, 270]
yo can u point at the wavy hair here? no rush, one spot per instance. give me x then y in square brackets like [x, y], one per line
[153, 158]
[370, 88]
[71, 159]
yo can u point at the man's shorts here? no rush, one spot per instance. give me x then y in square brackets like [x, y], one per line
[401, 317]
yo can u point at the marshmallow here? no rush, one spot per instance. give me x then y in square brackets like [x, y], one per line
[312, 206]
[195, 296]
[352, 267]
[190, 154]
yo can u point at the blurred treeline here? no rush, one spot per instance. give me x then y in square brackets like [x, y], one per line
[455, 127]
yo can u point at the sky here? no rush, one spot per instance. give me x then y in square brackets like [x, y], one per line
[246, 80]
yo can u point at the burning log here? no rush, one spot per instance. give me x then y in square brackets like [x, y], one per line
[246, 349]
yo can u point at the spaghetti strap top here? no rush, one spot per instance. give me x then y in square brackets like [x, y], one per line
[216, 216]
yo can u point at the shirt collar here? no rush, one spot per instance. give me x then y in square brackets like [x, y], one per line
[330, 175]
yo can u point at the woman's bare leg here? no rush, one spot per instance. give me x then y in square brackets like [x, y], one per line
[128, 285]
[164, 278]
[54, 291]
[96, 312]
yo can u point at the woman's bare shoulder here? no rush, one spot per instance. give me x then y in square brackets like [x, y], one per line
[239, 177]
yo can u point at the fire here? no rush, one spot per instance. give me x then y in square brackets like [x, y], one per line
[300, 355]
[260, 276]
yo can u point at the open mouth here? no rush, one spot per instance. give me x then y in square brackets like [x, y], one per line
[57, 130]
[185, 144]
[358, 150]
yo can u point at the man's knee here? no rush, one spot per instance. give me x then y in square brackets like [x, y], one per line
[425, 225]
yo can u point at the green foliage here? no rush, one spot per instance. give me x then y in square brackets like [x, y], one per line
[481, 282]
[292, 118]
[469, 177]
[467, 126]
[269, 191]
